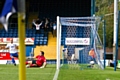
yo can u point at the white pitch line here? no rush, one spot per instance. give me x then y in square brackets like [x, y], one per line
[56, 75]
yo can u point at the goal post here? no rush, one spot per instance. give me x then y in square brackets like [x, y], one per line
[58, 42]
[78, 35]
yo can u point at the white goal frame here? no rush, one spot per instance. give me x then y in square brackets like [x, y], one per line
[58, 43]
[58, 48]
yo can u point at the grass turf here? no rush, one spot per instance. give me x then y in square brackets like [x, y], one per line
[89, 74]
[10, 72]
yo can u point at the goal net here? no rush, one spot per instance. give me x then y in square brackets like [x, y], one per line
[78, 43]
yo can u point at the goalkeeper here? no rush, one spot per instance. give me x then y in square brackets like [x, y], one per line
[39, 61]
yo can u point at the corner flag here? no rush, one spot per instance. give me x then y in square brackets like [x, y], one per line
[10, 7]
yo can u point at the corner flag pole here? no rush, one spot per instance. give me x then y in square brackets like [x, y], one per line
[21, 34]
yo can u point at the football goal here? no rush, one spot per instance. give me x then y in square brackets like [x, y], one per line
[76, 38]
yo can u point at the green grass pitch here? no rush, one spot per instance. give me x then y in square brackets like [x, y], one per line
[10, 72]
[89, 74]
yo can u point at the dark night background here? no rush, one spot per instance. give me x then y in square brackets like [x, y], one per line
[53, 8]
[73, 8]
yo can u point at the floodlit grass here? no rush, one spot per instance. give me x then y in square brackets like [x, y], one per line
[10, 72]
[89, 74]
